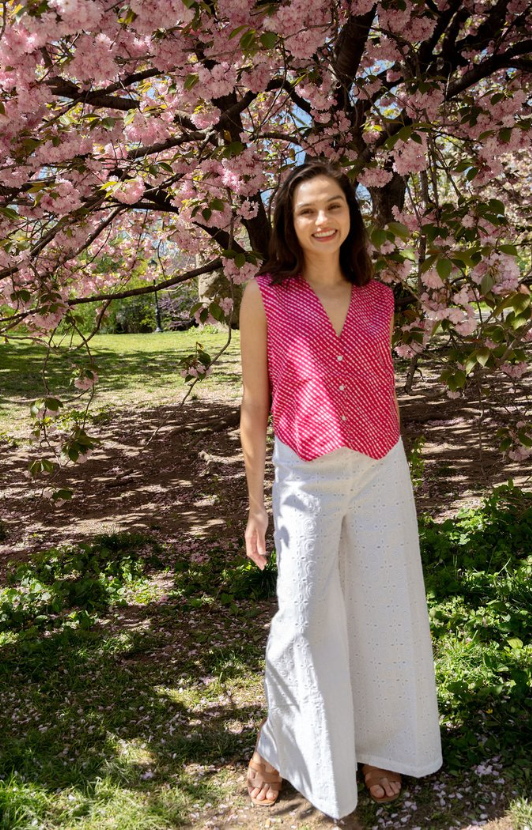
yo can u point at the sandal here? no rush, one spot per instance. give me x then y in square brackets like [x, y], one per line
[374, 775]
[272, 778]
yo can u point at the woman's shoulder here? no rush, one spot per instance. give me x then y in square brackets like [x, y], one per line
[377, 287]
[380, 292]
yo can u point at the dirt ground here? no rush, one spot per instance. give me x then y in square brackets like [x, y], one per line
[188, 477]
[189, 481]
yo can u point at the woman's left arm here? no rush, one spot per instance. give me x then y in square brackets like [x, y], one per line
[394, 392]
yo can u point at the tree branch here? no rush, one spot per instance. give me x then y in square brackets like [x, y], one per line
[213, 265]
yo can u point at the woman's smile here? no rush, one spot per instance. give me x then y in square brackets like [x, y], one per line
[316, 202]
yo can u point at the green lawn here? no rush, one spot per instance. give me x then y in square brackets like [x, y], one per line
[134, 369]
[131, 667]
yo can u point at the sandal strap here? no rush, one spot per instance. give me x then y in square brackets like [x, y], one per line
[374, 776]
[267, 777]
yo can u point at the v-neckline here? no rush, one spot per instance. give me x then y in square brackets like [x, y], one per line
[322, 307]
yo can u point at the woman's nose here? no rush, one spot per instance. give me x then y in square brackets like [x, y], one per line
[321, 217]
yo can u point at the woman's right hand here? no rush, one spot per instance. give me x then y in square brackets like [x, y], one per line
[255, 536]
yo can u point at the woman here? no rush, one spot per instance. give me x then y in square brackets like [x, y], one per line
[349, 666]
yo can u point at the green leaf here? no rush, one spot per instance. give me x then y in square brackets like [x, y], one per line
[62, 494]
[233, 149]
[240, 260]
[398, 229]
[268, 39]
[217, 313]
[508, 249]
[191, 80]
[520, 302]
[497, 206]
[237, 31]
[505, 135]
[206, 213]
[248, 40]
[428, 263]
[217, 204]
[483, 355]
[444, 268]
[487, 283]
[9, 213]
[405, 133]
[35, 406]
[515, 643]
[378, 237]
[53, 404]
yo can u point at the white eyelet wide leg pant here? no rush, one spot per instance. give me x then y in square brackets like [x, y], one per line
[349, 664]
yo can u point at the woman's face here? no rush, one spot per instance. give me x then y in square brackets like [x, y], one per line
[321, 216]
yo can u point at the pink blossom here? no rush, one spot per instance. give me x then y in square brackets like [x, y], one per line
[129, 192]
[238, 275]
[520, 454]
[410, 157]
[432, 279]
[375, 177]
[514, 370]
[248, 210]
[466, 327]
[85, 382]
[226, 304]
[206, 118]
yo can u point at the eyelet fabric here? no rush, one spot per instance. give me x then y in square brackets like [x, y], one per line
[349, 668]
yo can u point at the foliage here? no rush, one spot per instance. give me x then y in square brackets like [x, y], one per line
[416, 462]
[142, 141]
[67, 587]
[108, 720]
[210, 579]
[478, 569]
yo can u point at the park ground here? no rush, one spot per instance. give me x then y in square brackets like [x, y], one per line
[135, 703]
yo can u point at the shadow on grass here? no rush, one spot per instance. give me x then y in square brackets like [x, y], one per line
[146, 720]
[120, 366]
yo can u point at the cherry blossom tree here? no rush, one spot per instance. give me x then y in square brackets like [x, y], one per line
[144, 131]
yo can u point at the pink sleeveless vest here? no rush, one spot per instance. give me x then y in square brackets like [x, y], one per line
[329, 391]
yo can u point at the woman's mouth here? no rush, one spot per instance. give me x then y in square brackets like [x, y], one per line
[324, 236]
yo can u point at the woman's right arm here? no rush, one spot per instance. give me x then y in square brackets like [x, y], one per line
[254, 411]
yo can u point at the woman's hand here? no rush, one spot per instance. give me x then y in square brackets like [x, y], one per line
[255, 536]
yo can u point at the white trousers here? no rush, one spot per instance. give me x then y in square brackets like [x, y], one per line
[349, 664]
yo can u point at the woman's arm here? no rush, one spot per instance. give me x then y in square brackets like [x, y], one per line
[392, 321]
[254, 411]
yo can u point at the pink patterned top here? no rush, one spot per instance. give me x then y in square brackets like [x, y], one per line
[329, 391]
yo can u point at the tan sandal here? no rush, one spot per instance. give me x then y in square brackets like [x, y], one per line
[272, 778]
[374, 775]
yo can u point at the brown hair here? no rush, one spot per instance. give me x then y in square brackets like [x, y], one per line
[285, 256]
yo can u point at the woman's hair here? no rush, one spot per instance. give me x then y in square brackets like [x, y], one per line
[285, 256]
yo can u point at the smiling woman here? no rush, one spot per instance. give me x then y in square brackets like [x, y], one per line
[349, 666]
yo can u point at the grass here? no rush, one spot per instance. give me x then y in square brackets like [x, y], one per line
[133, 369]
[134, 704]
[131, 670]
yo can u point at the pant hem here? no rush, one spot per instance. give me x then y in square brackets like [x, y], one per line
[400, 766]
[335, 814]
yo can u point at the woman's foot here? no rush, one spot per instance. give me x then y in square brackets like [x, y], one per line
[263, 780]
[383, 785]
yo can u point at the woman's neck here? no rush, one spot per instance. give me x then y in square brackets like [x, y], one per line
[326, 272]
